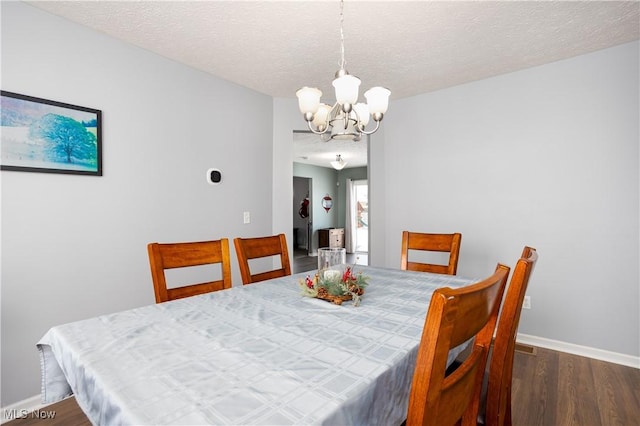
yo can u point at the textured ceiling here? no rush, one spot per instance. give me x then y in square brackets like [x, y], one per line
[276, 47]
[309, 149]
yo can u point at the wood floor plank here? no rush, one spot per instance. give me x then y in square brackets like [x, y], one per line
[576, 404]
[617, 389]
[63, 413]
[535, 404]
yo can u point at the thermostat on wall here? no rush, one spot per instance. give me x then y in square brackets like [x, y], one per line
[214, 176]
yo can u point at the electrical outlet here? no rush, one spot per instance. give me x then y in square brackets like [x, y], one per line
[247, 217]
[527, 302]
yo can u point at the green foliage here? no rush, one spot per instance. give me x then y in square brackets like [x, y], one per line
[307, 291]
[361, 280]
[334, 287]
[341, 285]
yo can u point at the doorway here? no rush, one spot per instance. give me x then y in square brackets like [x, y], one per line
[302, 216]
[357, 220]
[361, 213]
[312, 159]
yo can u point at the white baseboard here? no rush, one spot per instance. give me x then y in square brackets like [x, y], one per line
[601, 354]
[21, 408]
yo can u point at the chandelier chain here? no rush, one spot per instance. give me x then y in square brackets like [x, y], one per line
[342, 34]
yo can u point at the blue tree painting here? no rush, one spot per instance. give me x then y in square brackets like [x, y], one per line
[43, 135]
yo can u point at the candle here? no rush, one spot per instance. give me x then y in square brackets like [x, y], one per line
[331, 275]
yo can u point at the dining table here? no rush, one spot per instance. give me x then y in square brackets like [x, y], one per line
[258, 354]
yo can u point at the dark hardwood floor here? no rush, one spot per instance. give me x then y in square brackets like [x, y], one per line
[303, 263]
[549, 388]
[556, 388]
[63, 413]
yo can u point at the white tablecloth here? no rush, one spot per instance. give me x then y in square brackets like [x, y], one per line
[256, 354]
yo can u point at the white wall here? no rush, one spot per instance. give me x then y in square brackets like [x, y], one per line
[286, 119]
[378, 204]
[74, 247]
[546, 157]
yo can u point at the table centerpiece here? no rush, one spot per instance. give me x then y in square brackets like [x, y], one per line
[330, 285]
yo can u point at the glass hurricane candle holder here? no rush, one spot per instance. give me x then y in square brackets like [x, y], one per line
[331, 263]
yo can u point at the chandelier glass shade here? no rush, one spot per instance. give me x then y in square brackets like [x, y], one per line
[339, 163]
[347, 118]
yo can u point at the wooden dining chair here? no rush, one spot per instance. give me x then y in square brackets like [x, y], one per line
[185, 255]
[260, 247]
[431, 243]
[454, 317]
[497, 409]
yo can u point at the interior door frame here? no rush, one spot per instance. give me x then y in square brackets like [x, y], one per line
[310, 217]
[359, 182]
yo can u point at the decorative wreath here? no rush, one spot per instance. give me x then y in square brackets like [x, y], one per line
[304, 208]
[335, 288]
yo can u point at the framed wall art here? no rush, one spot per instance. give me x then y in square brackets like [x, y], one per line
[40, 135]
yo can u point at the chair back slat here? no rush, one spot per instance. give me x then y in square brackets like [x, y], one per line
[259, 247]
[430, 243]
[164, 256]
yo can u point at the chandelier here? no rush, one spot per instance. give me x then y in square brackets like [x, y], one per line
[346, 119]
[339, 163]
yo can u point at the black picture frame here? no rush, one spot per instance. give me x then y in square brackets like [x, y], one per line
[45, 136]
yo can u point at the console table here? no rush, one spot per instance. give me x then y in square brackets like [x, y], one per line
[331, 237]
